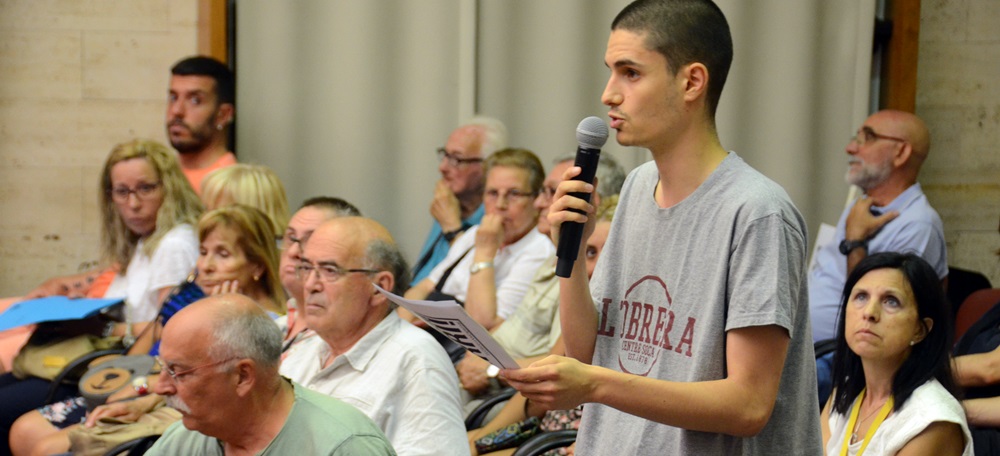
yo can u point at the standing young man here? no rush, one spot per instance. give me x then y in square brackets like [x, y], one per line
[693, 336]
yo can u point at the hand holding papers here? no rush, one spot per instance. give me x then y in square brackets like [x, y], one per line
[450, 319]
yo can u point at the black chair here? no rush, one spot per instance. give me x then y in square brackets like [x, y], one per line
[476, 417]
[961, 284]
[546, 441]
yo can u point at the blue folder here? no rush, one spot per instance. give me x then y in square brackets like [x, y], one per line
[52, 308]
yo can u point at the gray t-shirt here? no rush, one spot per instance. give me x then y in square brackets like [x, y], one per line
[317, 425]
[673, 281]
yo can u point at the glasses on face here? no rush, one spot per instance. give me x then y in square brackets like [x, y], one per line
[455, 160]
[514, 196]
[867, 136]
[290, 238]
[327, 272]
[142, 191]
[549, 192]
[176, 375]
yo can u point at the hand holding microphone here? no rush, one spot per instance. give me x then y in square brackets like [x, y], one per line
[591, 134]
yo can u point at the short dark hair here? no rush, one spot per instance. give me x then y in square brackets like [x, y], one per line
[199, 65]
[684, 31]
[928, 359]
[338, 206]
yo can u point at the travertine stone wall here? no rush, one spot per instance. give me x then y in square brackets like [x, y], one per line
[958, 95]
[76, 77]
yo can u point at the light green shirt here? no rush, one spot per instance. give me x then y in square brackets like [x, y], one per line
[317, 425]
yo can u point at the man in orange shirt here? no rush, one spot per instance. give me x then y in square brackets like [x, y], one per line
[200, 109]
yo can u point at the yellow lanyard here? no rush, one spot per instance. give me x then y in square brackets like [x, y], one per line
[855, 411]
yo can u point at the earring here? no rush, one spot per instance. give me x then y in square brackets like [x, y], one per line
[219, 127]
[257, 277]
[913, 342]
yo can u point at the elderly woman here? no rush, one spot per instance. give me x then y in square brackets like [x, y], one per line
[892, 372]
[490, 266]
[237, 253]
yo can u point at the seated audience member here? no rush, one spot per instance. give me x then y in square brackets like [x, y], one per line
[490, 266]
[532, 331]
[977, 371]
[457, 204]
[148, 209]
[236, 254]
[219, 368]
[252, 185]
[311, 215]
[518, 408]
[884, 160]
[365, 354]
[200, 108]
[892, 372]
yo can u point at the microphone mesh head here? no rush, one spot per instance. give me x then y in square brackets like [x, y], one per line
[592, 133]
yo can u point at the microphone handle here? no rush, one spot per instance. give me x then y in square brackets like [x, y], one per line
[571, 233]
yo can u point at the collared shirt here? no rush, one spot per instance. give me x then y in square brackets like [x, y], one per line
[514, 267]
[399, 376]
[534, 327]
[436, 247]
[917, 229]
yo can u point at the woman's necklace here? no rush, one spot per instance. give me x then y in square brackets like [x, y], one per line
[854, 434]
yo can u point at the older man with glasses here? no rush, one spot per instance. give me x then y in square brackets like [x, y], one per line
[365, 354]
[458, 196]
[219, 368]
[893, 215]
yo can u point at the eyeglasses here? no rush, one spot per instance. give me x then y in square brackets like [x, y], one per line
[512, 196]
[455, 160]
[142, 192]
[549, 192]
[176, 375]
[327, 272]
[289, 238]
[867, 136]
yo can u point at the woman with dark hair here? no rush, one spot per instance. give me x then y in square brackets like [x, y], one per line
[892, 374]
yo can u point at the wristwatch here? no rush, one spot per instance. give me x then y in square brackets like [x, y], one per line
[476, 267]
[451, 235]
[846, 246]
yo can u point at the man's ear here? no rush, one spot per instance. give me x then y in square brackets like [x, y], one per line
[224, 114]
[902, 156]
[695, 76]
[246, 377]
[386, 281]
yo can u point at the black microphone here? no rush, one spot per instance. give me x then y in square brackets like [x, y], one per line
[591, 134]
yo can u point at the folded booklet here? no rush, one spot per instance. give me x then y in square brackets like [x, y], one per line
[450, 319]
[53, 308]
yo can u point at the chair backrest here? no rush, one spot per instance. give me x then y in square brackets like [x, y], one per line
[977, 304]
[961, 284]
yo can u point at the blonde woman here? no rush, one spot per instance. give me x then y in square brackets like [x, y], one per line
[253, 185]
[147, 212]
